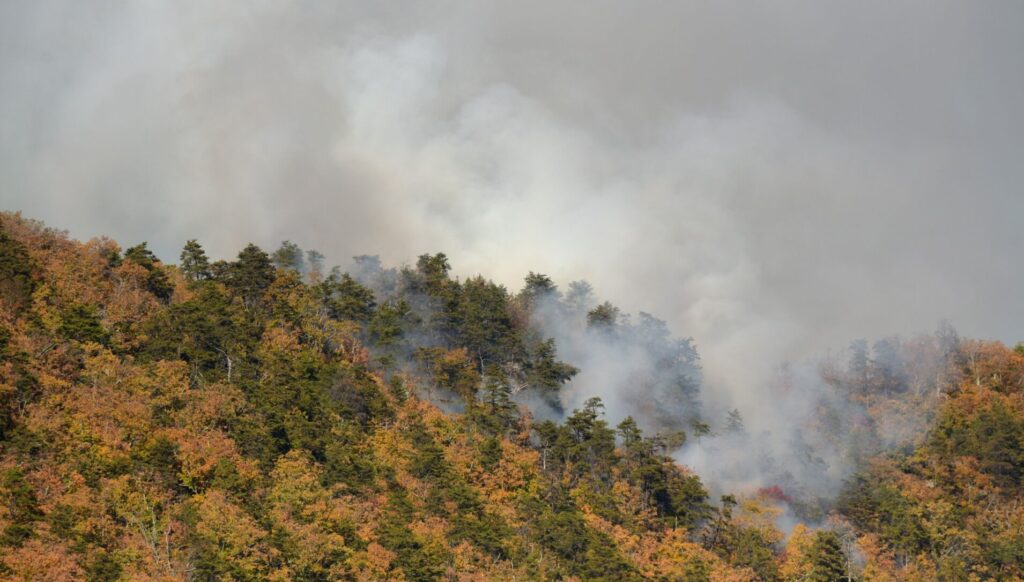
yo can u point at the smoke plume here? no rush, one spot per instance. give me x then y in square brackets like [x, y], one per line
[772, 181]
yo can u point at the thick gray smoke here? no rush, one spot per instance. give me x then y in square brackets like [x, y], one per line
[771, 180]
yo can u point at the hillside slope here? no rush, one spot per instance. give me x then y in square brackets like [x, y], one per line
[264, 420]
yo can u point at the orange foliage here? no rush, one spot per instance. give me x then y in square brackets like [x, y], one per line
[39, 560]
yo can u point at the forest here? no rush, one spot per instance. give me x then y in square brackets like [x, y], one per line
[269, 418]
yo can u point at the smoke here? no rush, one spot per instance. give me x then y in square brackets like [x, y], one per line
[771, 181]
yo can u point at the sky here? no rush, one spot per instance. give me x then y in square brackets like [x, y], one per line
[774, 179]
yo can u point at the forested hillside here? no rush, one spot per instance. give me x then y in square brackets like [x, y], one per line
[267, 418]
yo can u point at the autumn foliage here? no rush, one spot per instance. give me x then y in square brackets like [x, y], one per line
[258, 420]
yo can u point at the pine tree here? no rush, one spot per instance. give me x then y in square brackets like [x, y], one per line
[545, 372]
[580, 297]
[630, 432]
[699, 428]
[434, 271]
[500, 411]
[194, 262]
[538, 287]
[157, 281]
[288, 257]
[828, 561]
[734, 423]
[604, 317]
[251, 275]
[346, 299]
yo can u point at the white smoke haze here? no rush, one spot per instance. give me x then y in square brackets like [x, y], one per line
[773, 181]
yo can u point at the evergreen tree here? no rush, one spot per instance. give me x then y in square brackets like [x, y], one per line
[251, 275]
[194, 263]
[484, 323]
[538, 287]
[699, 428]
[603, 318]
[630, 432]
[500, 412]
[346, 299]
[828, 564]
[82, 323]
[20, 505]
[157, 281]
[546, 373]
[580, 297]
[288, 257]
[434, 271]
[734, 423]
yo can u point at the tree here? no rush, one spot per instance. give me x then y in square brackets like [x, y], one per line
[194, 263]
[16, 279]
[346, 299]
[887, 365]
[500, 412]
[699, 428]
[251, 275]
[228, 543]
[21, 508]
[484, 323]
[828, 564]
[288, 257]
[538, 287]
[630, 432]
[734, 423]
[604, 317]
[434, 270]
[315, 262]
[548, 374]
[157, 281]
[389, 323]
[82, 323]
[857, 369]
[580, 297]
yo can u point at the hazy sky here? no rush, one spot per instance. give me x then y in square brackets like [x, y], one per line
[774, 178]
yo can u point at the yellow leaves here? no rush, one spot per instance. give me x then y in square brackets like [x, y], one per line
[373, 564]
[795, 563]
[296, 483]
[278, 339]
[759, 513]
[309, 515]
[366, 513]
[111, 411]
[451, 370]
[231, 533]
[330, 336]
[391, 448]
[514, 475]
[625, 540]
[879, 562]
[153, 544]
[631, 503]
[675, 557]
[214, 405]
[432, 530]
[200, 451]
[468, 564]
